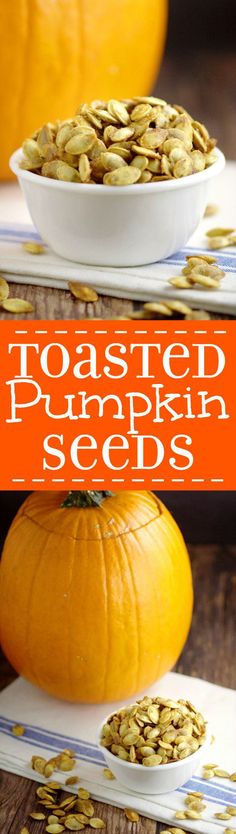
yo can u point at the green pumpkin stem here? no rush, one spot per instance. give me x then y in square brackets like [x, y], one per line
[85, 498]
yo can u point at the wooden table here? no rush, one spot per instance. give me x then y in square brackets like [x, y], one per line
[209, 654]
[201, 80]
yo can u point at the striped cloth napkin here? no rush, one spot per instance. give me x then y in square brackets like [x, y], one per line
[145, 283]
[52, 726]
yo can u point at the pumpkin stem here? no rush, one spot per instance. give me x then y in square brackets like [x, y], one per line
[85, 498]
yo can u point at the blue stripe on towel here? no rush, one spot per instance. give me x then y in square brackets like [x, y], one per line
[88, 752]
[11, 234]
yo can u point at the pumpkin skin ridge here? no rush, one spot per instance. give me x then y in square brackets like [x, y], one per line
[141, 569]
[135, 688]
[74, 538]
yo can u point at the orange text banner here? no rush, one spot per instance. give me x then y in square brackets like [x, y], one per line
[117, 403]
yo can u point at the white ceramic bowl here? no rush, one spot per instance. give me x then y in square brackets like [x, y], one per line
[116, 226]
[152, 780]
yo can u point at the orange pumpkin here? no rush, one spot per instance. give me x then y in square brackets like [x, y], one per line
[54, 55]
[96, 599]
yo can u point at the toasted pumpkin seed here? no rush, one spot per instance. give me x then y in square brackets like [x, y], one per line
[33, 247]
[95, 822]
[37, 815]
[219, 232]
[108, 773]
[83, 293]
[131, 815]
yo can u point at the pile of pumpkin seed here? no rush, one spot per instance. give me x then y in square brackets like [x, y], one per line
[199, 271]
[143, 140]
[154, 731]
[73, 813]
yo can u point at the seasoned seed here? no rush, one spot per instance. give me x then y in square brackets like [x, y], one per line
[108, 773]
[157, 307]
[54, 828]
[52, 818]
[208, 258]
[95, 822]
[123, 133]
[83, 793]
[17, 730]
[233, 777]
[223, 774]
[119, 111]
[152, 761]
[131, 815]
[219, 232]
[208, 774]
[33, 248]
[204, 280]
[222, 816]
[192, 815]
[141, 112]
[86, 807]
[24, 830]
[83, 293]
[211, 209]
[81, 143]
[122, 176]
[111, 161]
[196, 794]
[73, 824]
[180, 815]
[72, 780]
[36, 815]
[179, 282]
[84, 168]
[219, 242]
[231, 809]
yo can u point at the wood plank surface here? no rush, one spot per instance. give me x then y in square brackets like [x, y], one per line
[208, 654]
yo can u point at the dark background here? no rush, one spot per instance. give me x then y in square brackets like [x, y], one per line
[205, 23]
[199, 65]
[203, 517]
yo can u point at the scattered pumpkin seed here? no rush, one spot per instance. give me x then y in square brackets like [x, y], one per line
[72, 780]
[52, 818]
[83, 794]
[231, 809]
[72, 823]
[219, 232]
[211, 209]
[24, 830]
[219, 242]
[223, 774]
[37, 815]
[131, 815]
[18, 730]
[233, 777]
[4, 289]
[180, 815]
[16, 305]
[54, 828]
[108, 773]
[222, 816]
[33, 248]
[82, 293]
[95, 822]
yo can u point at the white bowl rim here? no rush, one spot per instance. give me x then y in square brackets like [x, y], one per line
[142, 768]
[137, 188]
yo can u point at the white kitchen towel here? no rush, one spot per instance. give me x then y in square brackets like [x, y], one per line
[53, 725]
[145, 283]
